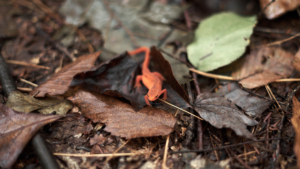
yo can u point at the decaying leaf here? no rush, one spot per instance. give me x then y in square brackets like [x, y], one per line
[296, 123]
[59, 83]
[25, 103]
[264, 66]
[221, 113]
[252, 105]
[116, 77]
[216, 46]
[16, 129]
[121, 119]
[278, 7]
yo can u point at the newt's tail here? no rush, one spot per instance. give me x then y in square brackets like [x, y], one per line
[147, 56]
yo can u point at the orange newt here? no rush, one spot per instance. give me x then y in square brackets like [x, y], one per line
[152, 80]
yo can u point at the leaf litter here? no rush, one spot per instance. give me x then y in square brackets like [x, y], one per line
[78, 133]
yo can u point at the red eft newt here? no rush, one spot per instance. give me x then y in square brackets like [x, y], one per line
[152, 80]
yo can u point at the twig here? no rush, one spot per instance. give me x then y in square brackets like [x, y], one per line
[213, 145]
[249, 153]
[90, 47]
[210, 75]
[179, 108]
[172, 56]
[187, 17]
[284, 40]
[229, 146]
[280, 127]
[56, 44]
[164, 164]
[199, 122]
[24, 89]
[48, 10]
[239, 160]
[99, 155]
[107, 160]
[26, 64]
[28, 82]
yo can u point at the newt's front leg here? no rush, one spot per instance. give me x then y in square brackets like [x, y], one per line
[147, 100]
[165, 94]
[138, 81]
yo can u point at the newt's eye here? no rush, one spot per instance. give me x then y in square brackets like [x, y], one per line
[156, 96]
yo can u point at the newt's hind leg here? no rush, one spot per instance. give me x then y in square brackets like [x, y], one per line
[157, 74]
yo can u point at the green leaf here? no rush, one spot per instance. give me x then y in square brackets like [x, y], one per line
[220, 39]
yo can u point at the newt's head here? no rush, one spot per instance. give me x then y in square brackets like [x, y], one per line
[153, 94]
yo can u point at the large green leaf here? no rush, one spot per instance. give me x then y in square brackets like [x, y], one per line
[220, 39]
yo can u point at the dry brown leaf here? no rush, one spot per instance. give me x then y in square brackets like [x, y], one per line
[221, 113]
[121, 119]
[16, 129]
[296, 123]
[59, 83]
[264, 66]
[278, 7]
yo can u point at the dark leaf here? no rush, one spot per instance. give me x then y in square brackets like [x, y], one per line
[221, 113]
[116, 77]
[16, 129]
[121, 119]
[252, 105]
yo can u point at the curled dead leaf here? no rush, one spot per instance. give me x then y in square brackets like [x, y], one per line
[264, 66]
[277, 8]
